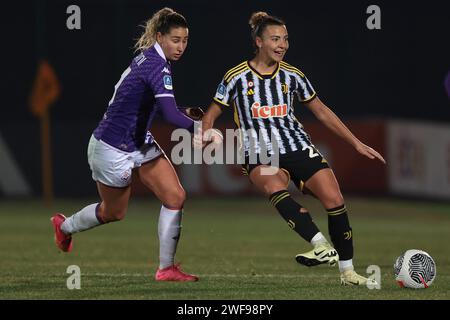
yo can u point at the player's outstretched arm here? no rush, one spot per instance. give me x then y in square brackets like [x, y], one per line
[200, 138]
[214, 112]
[167, 106]
[332, 121]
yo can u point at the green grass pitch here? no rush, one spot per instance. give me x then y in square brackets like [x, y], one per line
[240, 248]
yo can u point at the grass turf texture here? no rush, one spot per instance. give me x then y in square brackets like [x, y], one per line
[239, 247]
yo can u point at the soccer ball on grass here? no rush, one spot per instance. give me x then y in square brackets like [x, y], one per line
[415, 269]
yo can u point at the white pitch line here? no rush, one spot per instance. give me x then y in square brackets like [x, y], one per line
[287, 276]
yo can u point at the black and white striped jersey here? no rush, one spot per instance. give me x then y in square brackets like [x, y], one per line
[263, 106]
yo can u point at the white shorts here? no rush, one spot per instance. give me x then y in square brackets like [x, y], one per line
[113, 167]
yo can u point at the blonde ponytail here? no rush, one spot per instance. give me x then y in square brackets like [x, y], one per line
[161, 21]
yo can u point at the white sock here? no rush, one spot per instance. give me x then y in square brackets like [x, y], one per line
[345, 265]
[169, 229]
[83, 220]
[318, 239]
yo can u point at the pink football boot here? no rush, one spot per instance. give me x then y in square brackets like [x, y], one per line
[174, 273]
[63, 241]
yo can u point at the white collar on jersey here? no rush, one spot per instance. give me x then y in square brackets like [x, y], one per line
[160, 51]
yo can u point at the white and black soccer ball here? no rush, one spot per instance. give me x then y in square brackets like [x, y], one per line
[415, 269]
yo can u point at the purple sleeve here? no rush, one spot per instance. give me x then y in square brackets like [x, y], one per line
[158, 77]
[171, 113]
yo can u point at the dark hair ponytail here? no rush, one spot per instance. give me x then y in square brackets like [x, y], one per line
[259, 21]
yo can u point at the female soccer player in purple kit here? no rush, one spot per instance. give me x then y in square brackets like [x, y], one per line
[122, 142]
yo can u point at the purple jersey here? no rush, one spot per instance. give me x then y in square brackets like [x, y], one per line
[144, 88]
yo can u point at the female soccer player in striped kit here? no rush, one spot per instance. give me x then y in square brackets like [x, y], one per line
[261, 92]
[123, 142]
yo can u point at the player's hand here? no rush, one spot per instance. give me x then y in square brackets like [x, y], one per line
[369, 152]
[202, 138]
[198, 141]
[213, 135]
[195, 113]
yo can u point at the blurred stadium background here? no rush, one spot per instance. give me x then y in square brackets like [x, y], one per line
[391, 86]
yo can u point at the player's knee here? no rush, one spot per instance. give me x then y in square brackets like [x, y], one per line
[334, 200]
[175, 198]
[271, 188]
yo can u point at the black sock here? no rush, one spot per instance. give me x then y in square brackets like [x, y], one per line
[340, 232]
[300, 222]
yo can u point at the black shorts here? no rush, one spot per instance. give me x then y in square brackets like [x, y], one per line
[299, 165]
